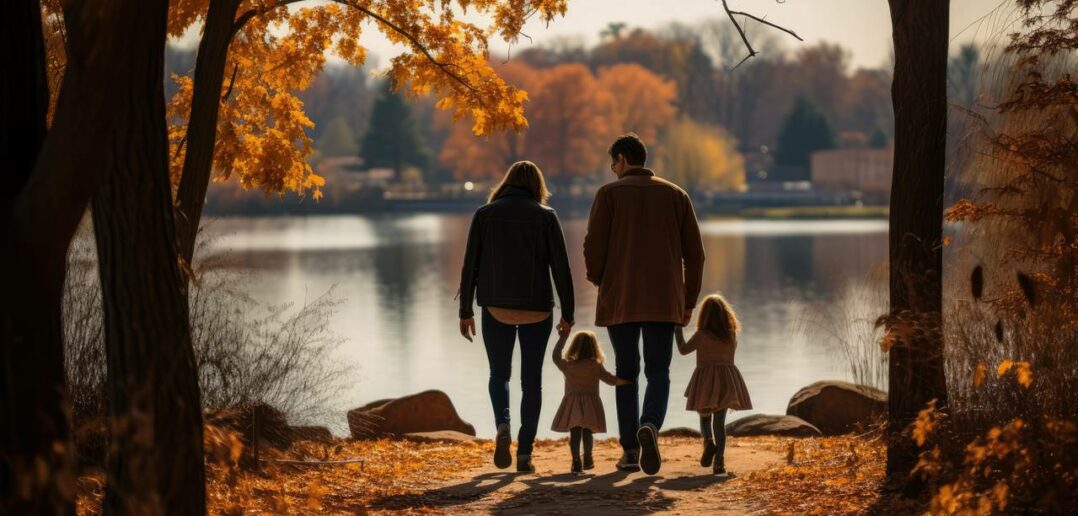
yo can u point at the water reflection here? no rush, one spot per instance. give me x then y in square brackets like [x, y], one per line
[397, 276]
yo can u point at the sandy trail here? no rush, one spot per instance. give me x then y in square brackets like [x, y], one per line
[681, 487]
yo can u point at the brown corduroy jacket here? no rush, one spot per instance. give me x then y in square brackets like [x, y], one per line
[643, 250]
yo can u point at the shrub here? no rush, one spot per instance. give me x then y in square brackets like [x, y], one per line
[247, 353]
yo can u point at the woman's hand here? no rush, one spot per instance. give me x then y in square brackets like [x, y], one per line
[564, 327]
[467, 328]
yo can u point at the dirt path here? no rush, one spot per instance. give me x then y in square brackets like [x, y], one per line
[681, 487]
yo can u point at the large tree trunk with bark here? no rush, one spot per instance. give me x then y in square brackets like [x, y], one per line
[202, 124]
[155, 462]
[32, 393]
[47, 181]
[919, 96]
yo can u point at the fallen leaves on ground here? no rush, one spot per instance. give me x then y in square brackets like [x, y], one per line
[391, 468]
[827, 475]
[830, 475]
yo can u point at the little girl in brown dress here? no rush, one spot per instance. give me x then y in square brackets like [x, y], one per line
[716, 384]
[581, 411]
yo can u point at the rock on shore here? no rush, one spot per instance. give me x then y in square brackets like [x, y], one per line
[837, 407]
[427, 411]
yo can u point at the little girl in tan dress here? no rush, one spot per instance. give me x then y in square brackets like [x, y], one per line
[581, 411]
[716, 384]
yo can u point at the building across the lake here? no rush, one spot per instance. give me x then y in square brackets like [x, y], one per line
[864, 172]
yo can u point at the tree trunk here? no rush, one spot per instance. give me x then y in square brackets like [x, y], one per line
[919, 96]
[32, 389]
[202, 124]
[48, 179]
[155, 461]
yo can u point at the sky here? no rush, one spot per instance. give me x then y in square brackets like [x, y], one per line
[861, 26]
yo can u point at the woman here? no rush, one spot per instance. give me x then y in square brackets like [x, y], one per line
[514, 245]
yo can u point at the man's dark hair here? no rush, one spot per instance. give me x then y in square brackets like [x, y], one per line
[632, 147]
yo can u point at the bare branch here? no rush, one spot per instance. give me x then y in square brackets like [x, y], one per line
[741, 31]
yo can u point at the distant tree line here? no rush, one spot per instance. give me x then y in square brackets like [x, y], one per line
[786, 103]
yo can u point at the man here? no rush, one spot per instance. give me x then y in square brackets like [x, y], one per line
[643, 251]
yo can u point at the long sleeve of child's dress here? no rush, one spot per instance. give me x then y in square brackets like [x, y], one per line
[684, 347]
[610, 379]
[559, 360]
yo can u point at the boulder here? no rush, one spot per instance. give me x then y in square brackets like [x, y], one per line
[680, 432]
[836, 407]
[318, 434]
[427, 411]
[766, 424]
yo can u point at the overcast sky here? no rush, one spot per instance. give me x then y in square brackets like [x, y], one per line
[862, 26]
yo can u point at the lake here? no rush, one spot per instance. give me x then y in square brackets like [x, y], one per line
[397, 275]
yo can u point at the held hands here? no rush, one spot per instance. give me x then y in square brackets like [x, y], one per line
[688, 315]
[564, 327]
[467, 328]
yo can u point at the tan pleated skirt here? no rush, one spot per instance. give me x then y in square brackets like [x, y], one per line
[715, 387]
[580, 410]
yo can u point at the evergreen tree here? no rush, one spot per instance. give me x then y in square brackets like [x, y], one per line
[805, 131]
[337, 139]
[878, 139]
[963, 74]
[393, 138]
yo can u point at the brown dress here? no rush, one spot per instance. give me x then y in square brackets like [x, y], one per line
[716, 384]
[581, 406]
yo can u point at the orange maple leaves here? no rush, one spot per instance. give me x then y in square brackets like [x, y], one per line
[573, 116]
[277, 50]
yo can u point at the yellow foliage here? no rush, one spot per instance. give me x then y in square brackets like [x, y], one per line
[979, 374]
[1023, 374]
[927, 421]
[262, 132]
[694, 155]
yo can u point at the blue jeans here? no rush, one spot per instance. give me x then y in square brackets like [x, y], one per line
[499, 339]
[658, 350]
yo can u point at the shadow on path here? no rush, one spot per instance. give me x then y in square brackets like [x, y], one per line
[457, 494]
[512, 493]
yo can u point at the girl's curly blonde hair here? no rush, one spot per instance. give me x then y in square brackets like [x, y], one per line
[585, 346]
[717, 317]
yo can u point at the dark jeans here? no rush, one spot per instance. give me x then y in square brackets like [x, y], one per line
[658, 350]
[499, 339]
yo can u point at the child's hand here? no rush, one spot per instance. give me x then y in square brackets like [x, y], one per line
[622, 381]
[564, 329]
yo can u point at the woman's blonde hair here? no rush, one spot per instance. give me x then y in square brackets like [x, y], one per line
[717, 317]
[585, 346]
[524, 174]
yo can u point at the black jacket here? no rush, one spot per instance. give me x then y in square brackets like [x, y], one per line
[514, 245]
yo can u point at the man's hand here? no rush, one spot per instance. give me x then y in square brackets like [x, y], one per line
[687, 317]
[467, 328]
[564, 327]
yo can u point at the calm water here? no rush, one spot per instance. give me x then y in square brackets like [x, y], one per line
[397, 276]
